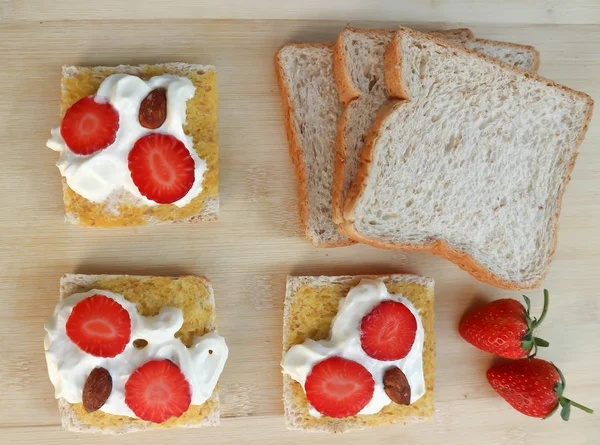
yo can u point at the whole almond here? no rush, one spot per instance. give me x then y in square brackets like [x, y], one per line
[96, 390]
[153, 109]
[396, 386]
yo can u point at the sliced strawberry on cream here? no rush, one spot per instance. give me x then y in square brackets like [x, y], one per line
[337, 387]
[99, 326]
[161, 168]
[157, 391]
[388, 331]
[89, 125]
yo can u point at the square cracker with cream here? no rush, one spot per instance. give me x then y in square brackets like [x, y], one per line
[310, 305]
[122, 209]
[194, 296]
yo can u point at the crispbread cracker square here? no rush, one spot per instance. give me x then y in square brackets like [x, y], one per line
[194, 296]
[122, 208]
[310, 305]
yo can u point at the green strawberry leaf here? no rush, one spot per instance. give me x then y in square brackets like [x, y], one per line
[541, 342]
[565, 412]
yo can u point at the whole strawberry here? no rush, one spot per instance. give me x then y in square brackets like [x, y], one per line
[533, 387]
[504, 327]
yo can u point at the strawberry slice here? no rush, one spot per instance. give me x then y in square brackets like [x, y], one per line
[388, 331]
[99, 326]
[337, 387]
[157, 391]
[89, 126]
[161, 168]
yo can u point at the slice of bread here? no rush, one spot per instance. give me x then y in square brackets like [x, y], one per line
[310, 305]
[194, 296]
[473, 164]
[312, 110]
[360, 79]
[123, 209]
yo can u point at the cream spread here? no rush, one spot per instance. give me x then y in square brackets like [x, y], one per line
[69, 366]
[97, 176]
[344, 341]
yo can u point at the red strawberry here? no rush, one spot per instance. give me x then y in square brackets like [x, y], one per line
[388, 331]
[89, 126]
[504, 327]
[99, 326]
[337, 387]
[161, 168]
[157, 391]
[533, 387]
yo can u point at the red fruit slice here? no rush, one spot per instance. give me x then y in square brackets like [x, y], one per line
[99, 326]
[157, 391]
[337, 387]
[161, 168]
[89, 126]
[388, 331]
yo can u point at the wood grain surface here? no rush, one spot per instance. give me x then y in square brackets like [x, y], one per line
[257, 241]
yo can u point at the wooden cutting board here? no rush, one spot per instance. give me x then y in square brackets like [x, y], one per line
[257, 241]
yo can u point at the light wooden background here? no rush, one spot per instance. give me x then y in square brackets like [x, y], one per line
[257, 241]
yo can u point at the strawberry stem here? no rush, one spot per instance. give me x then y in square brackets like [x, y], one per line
[538, 322]
[581, 407]
[529, 342]
[566, 404]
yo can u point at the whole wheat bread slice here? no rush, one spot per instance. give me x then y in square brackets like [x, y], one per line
[122, 208]
[312, 110]
[307, 312]
[74, 283]
[360, 79]
[473, 164]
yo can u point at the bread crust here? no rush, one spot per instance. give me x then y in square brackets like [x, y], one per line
[393, 65]
[295, 148]
[74, 283]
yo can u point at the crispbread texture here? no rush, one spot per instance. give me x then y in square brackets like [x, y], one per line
[309, 307]
[472, 166]
[360, 79]
[311, 110]
[194, 296]
[122, 208]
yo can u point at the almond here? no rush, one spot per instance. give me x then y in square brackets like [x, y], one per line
[153, 109]
[96, 390]
[396, 386]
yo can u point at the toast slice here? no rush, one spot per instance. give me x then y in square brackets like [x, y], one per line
[360, 79]
[194, 296]
[311, 112]
[310, 305]
[122, 208]
[471, 166]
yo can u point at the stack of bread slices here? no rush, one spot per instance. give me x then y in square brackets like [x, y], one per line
[435, 141]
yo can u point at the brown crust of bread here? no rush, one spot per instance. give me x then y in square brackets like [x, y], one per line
[295, 147]
[440, 248]
[339, 170]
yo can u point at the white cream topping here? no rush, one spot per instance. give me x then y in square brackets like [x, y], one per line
[97, 176]
[69, 366]
[344, 341]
